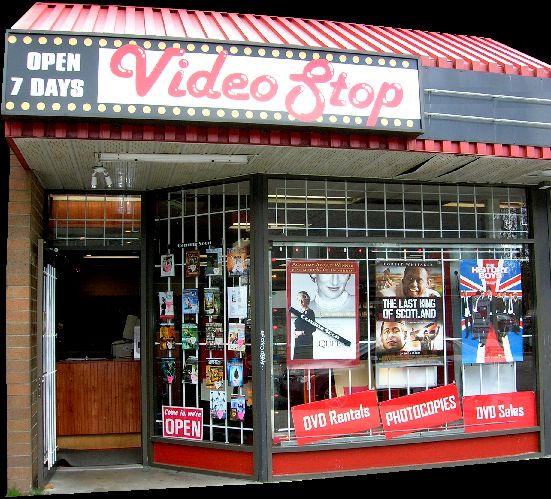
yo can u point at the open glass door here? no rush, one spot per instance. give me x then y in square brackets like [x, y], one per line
[47, 331]
[97, 311]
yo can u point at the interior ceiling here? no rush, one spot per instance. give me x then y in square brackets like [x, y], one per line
[68, 164]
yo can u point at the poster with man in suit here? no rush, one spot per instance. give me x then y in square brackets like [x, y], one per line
[493, 330]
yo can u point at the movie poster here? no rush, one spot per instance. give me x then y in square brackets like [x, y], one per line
[191, 371]
[214, 376]
[237, 261]
[322, 313]
[236, 337]
[237, 408]
[166, 305]
[190, 336]
[168, 369]
[193, 266]
[491, 311]
[235, 371]
[218, 404]
[167, 266]
[214, 261]
[214, 336]
[409, 328]
[167, 337]
[211, 301]
[237, 302]
[190, 301]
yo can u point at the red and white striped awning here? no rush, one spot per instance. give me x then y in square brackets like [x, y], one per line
[435, 49]
[441, 50]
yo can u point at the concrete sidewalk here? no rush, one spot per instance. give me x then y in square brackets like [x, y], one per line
[131, 477]
[135, 480]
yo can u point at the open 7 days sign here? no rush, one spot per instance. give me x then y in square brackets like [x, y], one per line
[90, 76]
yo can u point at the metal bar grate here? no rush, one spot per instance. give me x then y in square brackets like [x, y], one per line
[48, 366]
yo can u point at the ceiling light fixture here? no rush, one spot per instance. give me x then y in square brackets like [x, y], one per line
[111, 256]
[539, 173]
[106, 176]
[241, 159]
[247, 226]
[463, 204]
[311, 200]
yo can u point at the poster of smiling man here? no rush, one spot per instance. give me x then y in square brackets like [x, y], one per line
[491, 311]
[409, 329]
[322, 313]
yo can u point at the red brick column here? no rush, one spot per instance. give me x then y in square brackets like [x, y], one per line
[22, 366]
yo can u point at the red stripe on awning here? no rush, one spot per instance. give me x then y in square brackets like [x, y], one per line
[251, 136]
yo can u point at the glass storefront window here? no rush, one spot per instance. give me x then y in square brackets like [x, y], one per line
[480, 346]
[202, 351]
[470, 330]
[329, 208]
[507, 366]
[95, 220]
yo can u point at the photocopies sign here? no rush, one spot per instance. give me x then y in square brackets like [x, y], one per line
[116, 77]
[420, 410]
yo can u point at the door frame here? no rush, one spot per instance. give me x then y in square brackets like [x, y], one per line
[74, 254]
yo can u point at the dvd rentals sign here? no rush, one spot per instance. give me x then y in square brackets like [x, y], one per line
[335, 417]
[183, 422]
[118, 77]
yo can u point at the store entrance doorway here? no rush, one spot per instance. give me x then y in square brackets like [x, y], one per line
[98, 389]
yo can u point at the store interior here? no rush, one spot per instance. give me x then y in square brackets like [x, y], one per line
[95, 295]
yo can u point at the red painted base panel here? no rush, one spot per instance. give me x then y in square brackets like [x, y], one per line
[201, 458]
[392, 456]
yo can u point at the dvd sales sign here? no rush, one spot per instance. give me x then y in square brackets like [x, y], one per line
[335, 417]
[183, 422]
[421, 410]
[56, 74]
[499, 411]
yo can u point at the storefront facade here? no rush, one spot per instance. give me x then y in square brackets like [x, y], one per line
[343, 246]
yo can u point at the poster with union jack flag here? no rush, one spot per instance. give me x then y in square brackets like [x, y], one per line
[491, 311]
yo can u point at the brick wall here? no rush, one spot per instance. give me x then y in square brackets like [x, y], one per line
[22, 367]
